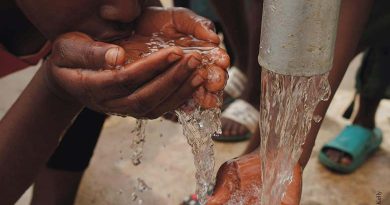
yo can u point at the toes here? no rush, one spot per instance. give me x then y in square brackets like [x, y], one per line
[338, 157]
[346, 160]
[226, 126]
[234, 128]
[333, 155]
[242, 130]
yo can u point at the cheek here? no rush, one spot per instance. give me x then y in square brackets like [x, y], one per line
[123, 11]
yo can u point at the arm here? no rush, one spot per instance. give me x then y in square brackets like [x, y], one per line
[81, 72]
[29, 133]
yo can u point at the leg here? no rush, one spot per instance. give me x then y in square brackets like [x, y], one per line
[247, 50]
[366, 112]
[58, 182]
[365, 117]
[354, 15]
[232, 17]
[372, 84]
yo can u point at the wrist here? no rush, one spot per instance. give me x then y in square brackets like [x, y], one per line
[55, 90]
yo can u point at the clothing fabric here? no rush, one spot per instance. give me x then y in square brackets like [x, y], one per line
[76, 148]
[10, 63]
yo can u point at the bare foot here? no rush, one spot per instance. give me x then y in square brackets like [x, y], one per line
[232, 128]
[339, 157]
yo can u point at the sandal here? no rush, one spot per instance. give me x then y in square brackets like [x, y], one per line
[357, 142]
[241, 112]
[234, 86]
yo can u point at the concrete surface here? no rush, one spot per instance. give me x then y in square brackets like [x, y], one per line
[167, 166]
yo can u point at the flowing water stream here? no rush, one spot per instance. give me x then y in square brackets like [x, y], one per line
[286, 113]
[198, 123]
[198, 127]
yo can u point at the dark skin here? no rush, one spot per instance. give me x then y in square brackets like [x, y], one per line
[353, 17]
[242, 32]
[80, 73]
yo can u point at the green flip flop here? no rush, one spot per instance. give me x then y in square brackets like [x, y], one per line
[355, 141]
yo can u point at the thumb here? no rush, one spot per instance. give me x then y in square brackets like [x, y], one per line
[78, 50]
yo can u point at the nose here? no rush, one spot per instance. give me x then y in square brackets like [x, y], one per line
[124, 11]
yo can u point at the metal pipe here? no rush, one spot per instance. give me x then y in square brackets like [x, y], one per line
[298, 36]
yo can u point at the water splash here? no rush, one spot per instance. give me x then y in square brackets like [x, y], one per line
[137, 142]
[140, 188]
[286, 112]
[198, 127]
[199, 124]
[249, 196]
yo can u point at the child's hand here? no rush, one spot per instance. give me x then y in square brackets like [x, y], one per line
[175, 22]
[213, 70]
[189, 30]
[239, 177]
[93, 73]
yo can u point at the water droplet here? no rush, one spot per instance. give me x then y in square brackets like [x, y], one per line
[142, 186]
[273, 8]
[317, 118]
[134, 196]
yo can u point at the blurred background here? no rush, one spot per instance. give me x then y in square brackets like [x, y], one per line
[167, 166]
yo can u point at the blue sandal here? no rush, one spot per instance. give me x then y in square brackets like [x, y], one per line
[357, 142]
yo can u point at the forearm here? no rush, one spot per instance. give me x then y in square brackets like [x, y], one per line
[353, 17]
[30, 131]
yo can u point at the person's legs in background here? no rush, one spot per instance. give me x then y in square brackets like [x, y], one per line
[353, 16]
[58, 182]
[241, 21]
[373, 84]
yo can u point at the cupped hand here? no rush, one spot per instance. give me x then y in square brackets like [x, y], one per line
[175, 22]
[213, 67]
[241, 177]
[191, 33]
[95, 75]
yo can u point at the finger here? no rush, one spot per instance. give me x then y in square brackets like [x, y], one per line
[78, 50]
[178, 98]
[149, 96]
[117, 83]
[227, 182]
[189, 23]
[147, 68]
[219, 57]
[216, 79]
[206, 99]
[294, 189]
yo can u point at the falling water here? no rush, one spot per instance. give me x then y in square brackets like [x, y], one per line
[198, 127]
[286, 113]
[137, 142]
[198, 124]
